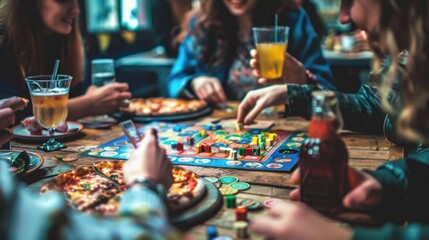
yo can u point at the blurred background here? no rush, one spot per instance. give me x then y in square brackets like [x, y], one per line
[137, 34]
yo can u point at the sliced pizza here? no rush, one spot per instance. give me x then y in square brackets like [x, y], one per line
[163, 106]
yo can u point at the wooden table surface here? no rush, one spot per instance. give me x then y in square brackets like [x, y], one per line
[365, 151]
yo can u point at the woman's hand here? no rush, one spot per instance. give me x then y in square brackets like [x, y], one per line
[149, 161]
[366, 192]
[209, 89]
[109, 98]
[293, 70]
[256, 100]
[297, 221]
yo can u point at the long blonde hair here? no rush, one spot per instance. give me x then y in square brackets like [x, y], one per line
[406, 23]
[25, 39]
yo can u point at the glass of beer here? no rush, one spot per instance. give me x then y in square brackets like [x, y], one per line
[271, 43]
[49, 98]
[103, 71]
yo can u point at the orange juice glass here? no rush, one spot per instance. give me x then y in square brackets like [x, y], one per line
[271, 43]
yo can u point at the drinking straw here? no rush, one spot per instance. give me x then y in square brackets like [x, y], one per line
[55, 72]
[276, 26]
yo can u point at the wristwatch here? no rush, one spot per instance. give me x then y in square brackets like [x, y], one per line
[151, 185]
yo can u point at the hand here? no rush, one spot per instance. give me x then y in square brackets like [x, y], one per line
[366, 192]
[7, 118]
[209, 89]
[293, 70]
[297, 221]
[149, 161]
[256, 100]
[108, 98]
[15, 103]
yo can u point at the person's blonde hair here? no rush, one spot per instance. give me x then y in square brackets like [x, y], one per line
[24, 37]
[406, 23]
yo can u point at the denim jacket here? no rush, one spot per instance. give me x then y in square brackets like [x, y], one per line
[303, 44]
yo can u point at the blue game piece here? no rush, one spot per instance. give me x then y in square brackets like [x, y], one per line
[211, 232]
[177, 128]
[174, 145]
[208, 127]
[218, 126]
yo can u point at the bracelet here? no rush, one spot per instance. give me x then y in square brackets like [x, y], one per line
[151, 185]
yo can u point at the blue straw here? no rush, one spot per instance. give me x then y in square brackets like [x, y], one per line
[276, 25]
[55, 73]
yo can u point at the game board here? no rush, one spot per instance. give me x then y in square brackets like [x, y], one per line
[212, 145]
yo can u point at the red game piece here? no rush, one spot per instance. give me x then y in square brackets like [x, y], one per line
[179, 146]
[241, 214]
[248, 151]
[207, 148]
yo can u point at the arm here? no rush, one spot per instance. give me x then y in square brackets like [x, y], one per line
[361, 111]
[304, 45]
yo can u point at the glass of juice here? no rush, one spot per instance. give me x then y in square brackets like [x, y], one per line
[49, 98]
[103, 71]
[271, 43]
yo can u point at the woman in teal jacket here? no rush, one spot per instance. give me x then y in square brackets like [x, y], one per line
[213, 57]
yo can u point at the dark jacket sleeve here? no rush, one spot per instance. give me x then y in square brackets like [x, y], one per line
[405, 197]
[163, 25]
[360, 111]
[304, 45]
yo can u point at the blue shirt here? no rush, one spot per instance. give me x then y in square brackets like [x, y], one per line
[303, 44]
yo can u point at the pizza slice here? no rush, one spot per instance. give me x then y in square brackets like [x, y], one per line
[112, 170]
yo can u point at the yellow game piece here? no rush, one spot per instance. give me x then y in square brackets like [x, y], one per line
[268, 142]
[203, 133]
[239, 126]
[273, 136]
[255, 140]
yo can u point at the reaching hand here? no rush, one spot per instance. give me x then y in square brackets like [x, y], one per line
[297, 221]
[109, 98]
[256, 100]
[366, 192]
[149, 161]
[293, 70]
[209, 89]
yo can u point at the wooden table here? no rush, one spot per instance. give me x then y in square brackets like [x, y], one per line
[366, 151]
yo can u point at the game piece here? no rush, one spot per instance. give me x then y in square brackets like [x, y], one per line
[273, 201]
[174, 145]
[233, 155]
[239, 126]
[255, 141]
[241, 214]
[218, 126]
[207, 148]
[69, 158]
[273, 136]
[228, 179]
[211, 232]
[212, 179]
[248, 151]
[250, 204]
[242, 151]
[256, 151]
[199, 148]
[177, 128]
[190, 140]
[241, 186]
[262, 146]
[231, 201]
[240, 229]
[227, 191]
[179, 146]
[203, 133]
[269, 142]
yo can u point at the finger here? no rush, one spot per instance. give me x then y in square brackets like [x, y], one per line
[295, 195]
[256, 73]
[244, 108]
[253, 113]
[263, 81]
[149, 141]
[212, 94]
[7, 118]
[254, 53]
[119, 86]
[15, 103]
[361, 198]
[219, 90]
[125, 95]
[296, 177]
[254, 64]
[266, 226]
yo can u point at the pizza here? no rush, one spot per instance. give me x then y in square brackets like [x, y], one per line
[98, 189]
[163, 106]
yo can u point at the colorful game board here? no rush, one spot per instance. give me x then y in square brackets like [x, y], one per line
[212, 145]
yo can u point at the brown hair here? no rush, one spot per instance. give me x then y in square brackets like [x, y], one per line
[405, 23]
[27, 41]
[217, 27]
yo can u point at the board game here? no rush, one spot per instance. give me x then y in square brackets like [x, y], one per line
[216, 145]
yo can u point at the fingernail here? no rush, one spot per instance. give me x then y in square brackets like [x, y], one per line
[154, 132]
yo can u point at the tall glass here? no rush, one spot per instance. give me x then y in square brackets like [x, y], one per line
[103, 71]
[49, 98]
[271, 43]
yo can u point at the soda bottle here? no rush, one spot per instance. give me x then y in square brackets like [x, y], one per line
[324, 157]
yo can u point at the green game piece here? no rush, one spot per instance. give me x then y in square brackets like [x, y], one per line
[231, 201]
[212, 179]
[242, 151]
[240, 186]
[228, 179]
[250, 204]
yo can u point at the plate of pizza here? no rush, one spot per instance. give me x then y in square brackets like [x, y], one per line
[164, 109]
[98, 189]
